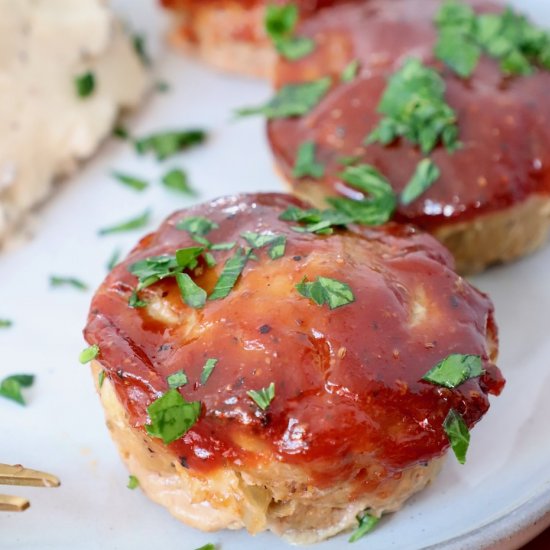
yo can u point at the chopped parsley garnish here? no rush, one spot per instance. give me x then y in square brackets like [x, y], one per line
[133, 482]
[121, 132]
[276, 243]
[231, 272]
[458, 434]
[5, 323]
[114, 259]
[100, 379]
[350, 71]
[454, 370]
[135, 302]
[508, 37]
[208, 546]
[325, 290]
[85, 84]
[11, 387]
[366, 524]
[192, 294]
[56, 280]
[291, 100]
[167, 144]
[207, 370]
[140, 47]
[221, 246]
[172, 416]
[139, 222]
[348, 160]
[316, 221]
[306, 165]
[176, 379]
[197, 225]
[89, 354]
[425, 175]
[162, 87]
[177, 180]
[375, 209]
[414, 108]
[279, 23]
[263, 397]
[209, 259]
[131, 181]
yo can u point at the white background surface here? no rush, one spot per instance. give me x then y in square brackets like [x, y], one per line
[62, 429]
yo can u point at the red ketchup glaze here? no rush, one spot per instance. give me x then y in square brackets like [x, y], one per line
[347, 381]
[504, 123]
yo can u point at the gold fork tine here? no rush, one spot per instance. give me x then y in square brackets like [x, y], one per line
[18, 475]
[13, 504]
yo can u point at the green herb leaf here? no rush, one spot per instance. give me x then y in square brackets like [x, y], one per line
[133, 482]
[316, 221]
[5, 323]
[177, 180]
[291, 100]
[192, 294]
[208, 546]
[415, 108]
[295, 47]
[454, 370]
[197, 225]
[425, 175]
[140, 47]
[139, 222]
[263, 397]
[378, 207]
[114, 259]
[135, 302]
[207, 370]
[366, 524]
[56, 280]
[306, 164]
[458, 434]
[349, 160]
[89, 354]
[121, 132]
[172, 416]
[162, 87]
[231, 272]
[326, 291]
[222, 246]
[100, 379]
[209, 259]
[85, 84]
[131, 181]
[176, 379]
[350, 71]
[259, 240]
[10, 387]
[167, 144]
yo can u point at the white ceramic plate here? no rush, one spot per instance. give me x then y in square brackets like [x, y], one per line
[500, 497]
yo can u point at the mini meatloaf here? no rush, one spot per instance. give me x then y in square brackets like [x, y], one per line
[266, 370]
[230, 34]
[490, 203]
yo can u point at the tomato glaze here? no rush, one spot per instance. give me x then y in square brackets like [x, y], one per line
[348, 386]
[504, 122]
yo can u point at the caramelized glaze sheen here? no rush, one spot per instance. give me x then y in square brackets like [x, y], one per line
[348, 383]
[504, 123]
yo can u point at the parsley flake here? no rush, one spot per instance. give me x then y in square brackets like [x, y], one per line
[131, 181]
[207, 370]
[425, 175]
[414, 108]
[133, 482]
[11, 386]
[306, 164]
[316, 221]
[325, 290]
[114, 259]
[139, 222]
[350, 71]
[85, 84]
[172, 416]
[291, 100]
[277, 243]
[177, 180]
[191, 293]
[197, 225]
[100, 379]
[89, 354]
[263, 397]
[140, 47]
[56, 280]
[231, 272]
[458, 434]
[135, 302]
[167, 144]
[454, 370]
[366, 524]
[176, 379]
[5, 323]
[208, 546]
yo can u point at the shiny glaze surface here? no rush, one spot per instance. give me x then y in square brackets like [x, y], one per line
[347, 381]
[504, 123]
